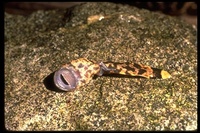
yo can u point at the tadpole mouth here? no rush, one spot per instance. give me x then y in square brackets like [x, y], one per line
[65, 79]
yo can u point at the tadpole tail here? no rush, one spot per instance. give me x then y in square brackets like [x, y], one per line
[160, 73]
[133, 69]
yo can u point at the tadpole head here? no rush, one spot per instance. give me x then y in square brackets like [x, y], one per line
[65, 79]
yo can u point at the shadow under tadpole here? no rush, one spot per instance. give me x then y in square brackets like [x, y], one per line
[49, 83]
[122, 76]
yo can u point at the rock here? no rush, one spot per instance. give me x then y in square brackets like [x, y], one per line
[39, 44]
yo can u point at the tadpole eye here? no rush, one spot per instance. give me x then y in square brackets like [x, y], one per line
[65, 79]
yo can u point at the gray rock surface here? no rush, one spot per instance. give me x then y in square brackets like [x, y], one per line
[39, 44]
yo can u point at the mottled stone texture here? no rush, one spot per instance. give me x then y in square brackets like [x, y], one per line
[37, 45]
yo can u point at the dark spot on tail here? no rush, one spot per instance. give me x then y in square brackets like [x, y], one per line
[80, 65]
[157, 73]
[137, 65]
[141, 71]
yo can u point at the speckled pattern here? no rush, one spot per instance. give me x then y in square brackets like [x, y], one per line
[39, 44]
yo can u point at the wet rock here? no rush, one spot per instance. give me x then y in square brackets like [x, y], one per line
[39, 44]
